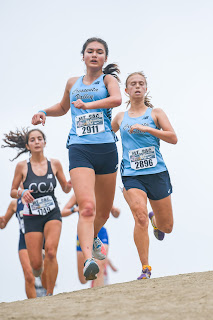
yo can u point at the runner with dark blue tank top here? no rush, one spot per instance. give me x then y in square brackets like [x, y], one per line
[92, 151]
[42, 217]
[16, 206]
[72, 207]
[144, 173]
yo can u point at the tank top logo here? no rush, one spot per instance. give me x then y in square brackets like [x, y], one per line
[41, 187]
[127, 128]
[82, 93]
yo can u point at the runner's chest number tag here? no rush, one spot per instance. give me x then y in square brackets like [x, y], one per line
[143, 158]
[42, 206]
[89, 123]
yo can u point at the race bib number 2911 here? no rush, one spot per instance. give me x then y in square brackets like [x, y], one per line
[89, 123]
[142, 158]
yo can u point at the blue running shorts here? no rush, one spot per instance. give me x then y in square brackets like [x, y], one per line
[157, 186]
[102, 158]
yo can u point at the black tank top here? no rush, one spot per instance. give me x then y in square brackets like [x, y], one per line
[41, 185]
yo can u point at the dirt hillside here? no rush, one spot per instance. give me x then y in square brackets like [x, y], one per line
[187, 296]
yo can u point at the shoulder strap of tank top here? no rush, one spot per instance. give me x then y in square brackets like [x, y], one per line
[126, 116]
[49, 166]
[78, 81]
[149, 111]
[29, 167]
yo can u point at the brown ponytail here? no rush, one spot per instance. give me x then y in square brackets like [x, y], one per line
[112, 69]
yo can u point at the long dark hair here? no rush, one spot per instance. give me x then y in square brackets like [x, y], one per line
[147, 98]
[111, 68]
[19, 139]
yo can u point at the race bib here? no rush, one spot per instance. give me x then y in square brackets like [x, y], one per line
[42, 206]
[142, 158]
[89, 123]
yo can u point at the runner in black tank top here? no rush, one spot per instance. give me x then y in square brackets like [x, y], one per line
[42, 217]
[43, 192]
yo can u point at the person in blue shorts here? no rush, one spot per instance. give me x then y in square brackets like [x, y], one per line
[144, 173]
[42, 216]
[17, 207]
[93, 157]
[72, 207]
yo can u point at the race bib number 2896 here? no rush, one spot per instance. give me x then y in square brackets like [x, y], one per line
[142, 158]
[89, 123]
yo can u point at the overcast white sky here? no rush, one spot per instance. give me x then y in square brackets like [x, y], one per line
[171, 41]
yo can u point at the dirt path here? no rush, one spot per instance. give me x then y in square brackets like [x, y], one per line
[188, 296]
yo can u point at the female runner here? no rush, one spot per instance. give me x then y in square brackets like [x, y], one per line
[92, 151]
[42, 216]
[144, 173]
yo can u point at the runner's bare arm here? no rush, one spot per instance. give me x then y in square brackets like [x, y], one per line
[8, 215]
[65, 185]
[116, 122]
[67, 208]
[57, 110]
[17, 180]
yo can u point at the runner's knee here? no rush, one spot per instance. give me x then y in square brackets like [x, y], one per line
[37, 272]
[50, 253]
[140, 215]
[88, 210]
[36, 265]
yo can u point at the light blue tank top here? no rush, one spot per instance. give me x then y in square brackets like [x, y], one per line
[141, 154]
[90, 126]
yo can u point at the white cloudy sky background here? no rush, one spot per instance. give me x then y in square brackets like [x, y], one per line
[171, 41]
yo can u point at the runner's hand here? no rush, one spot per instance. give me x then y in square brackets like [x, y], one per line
[79, 104]
[27, 197]
[3, 222]
[138, 127]
[69, 185]
[38, 118]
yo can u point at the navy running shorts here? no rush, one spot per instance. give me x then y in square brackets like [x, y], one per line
[102, 234]
[157, 186]
[36, 223]
[102, 158]
[22, 243]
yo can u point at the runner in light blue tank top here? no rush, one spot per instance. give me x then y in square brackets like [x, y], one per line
[141, 153]
[144, 173]
[94, 125]
[93, 157]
